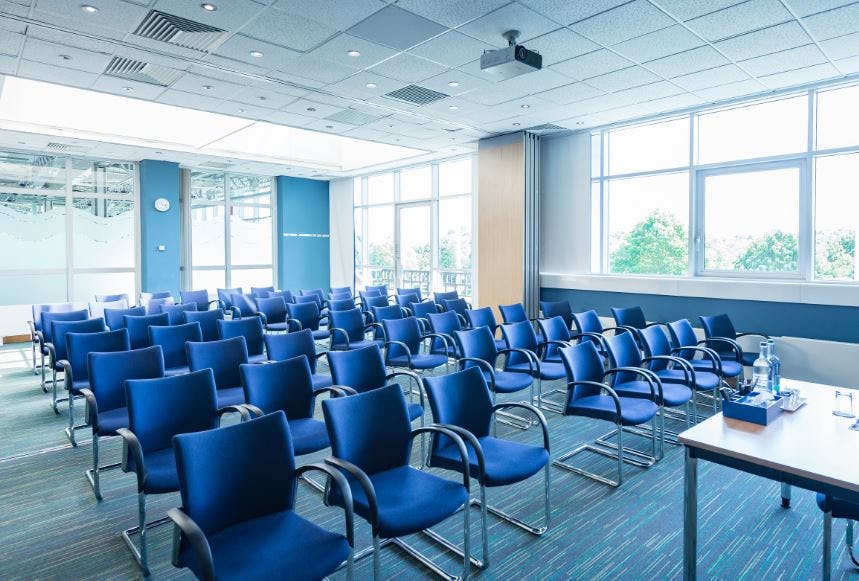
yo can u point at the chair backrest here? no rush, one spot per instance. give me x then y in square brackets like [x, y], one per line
[273, 308]
[115, 318]
[286, 295]
[250, 328]
[554, 329]
[406, 331]
[223, 357]
[172, 341]
[283, 346]
[439, 297]
[411, 291]
[381, 314]
[588, 322]
[406, 300]
[623, 352]
[235, 473]
[80, 345]
[198, 297]
[159, 409]
[683, 335]
[629, 317]
[370, 430]
[374, 301]
[176, 313]
[482, 317]
[113, 298]
[208, 321]
[365, 295]
[718, 326]
[48, 317]
[460, 399]
[138, 327]
[513, 313]
[381, 288]
[423, 309]
[316, 292]
[351, 321]
[37, 311]
[557, 309]
[582, 362]
[361, 369]
[153, 305]
[224, 295]
[305, 313]
[280, 385]
[304, 299]
[456, 305]
[109, 371]
[156, 295]
[341, 304]
[655, 341]
[340, 292]
[59, 330]
[519, 335]
[261, 292]
[478, 343]
[96, 308]
[245, 303]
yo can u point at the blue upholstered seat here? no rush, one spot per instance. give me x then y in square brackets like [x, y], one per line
[506, 462]
[484, 317]
[289, 345]
[633, 411]
[224, 358]
[405, 337]
[478, 344]
[111, 420]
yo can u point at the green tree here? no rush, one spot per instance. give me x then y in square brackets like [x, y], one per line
[380, 254]
[657, 245]
[775, 251]
[835, 254]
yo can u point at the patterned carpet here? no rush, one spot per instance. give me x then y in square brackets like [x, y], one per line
[51, 526]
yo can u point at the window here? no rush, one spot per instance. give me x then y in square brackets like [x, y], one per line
[234, 252]
[836, 216]
[67, 229]
[837, 118]
[648, 147]
[415, 228]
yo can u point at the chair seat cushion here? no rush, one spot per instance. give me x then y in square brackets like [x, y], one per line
[320, 334]
[506, 462]
[500, 344]
[269, 546]
[602, 407]
[320, 380]
[278, 326]
[703, 379]
[358, 344]
[111, 420]
[508, 381]
[415, 410]
[308, 435]
[230, 396]
[840, 508]
[675, 394]
[258, 358]
[729, 368]
[419, 361]
[161, 473]
[78, 385]
[548, 370]
[170, 371]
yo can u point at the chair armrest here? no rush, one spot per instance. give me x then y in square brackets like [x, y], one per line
[403, 346]
[645, 373]
[68, 377]
[733, 345]
[92, 408]
[218, 302]
[372, 326]
[32, 327]
[475, 444]
[296, 322]
[345, 491]
[536, 412]
[262, 316]
[240, 409]
[52, 353]
[709, 354]
[620, 329]
[236, 311]
[446, 339]
[600, 339]
[336, 390]
[131, 447]
[688, 372]
[40, 337]
[612, 393]
[413, 377]
[254, 410]
[482, 364]
[364, 482]
[544, 346]
[462, 321]
[463, 451]
[197, 539]
[753, 335]
[532, 358]
[333, 331]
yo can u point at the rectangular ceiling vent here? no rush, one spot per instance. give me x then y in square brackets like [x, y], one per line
[216, 165]
[53, 146]
[180, 31]
[352, 117]
[546, 128]
[416, 95]
[132, 70]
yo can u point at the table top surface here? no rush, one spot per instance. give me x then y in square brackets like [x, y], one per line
[810, 442]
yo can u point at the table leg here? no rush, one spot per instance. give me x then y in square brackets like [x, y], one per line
[785, 495]
[827, 539]
[690, 516]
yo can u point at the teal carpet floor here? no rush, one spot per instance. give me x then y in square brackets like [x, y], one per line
[51, 526]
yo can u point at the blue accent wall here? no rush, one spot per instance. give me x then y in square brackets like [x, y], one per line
[302, 208]
[829, 322]
[159, 268]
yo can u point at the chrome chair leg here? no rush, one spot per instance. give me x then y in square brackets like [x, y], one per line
[72, 428]
[94, 473]
[44, 386]
[139, 552]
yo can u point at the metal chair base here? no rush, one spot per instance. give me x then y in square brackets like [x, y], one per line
[646, 461]
[537, 531]
[93, 476]
[552, 406]
[418, 556]
[137, 552]
[316, 485]
[70, 434]
[609, 450]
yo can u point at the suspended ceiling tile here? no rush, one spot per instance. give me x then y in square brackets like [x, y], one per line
[801, 76]
[451, 13]
[285, 28]
[316, 69]
[8, 64]
[356, 86]
[570, 93]
[711, 78]
[340, 14]
[230, 15]
[688, 9]
[561, 44]
[592, 64]
[451, 49]
[338, 48]
[239, 47]
[658, 44]
[807, 7]
[848, 65]
[566, 11]
[465, 83]
[286, 118]
[114, 19]
[834, 23]
[731, 90]
[207, 86]
[263, 98]
[11, 43]
[54, 54]
[122, 86]
[623, 79]
[764, 41]
[490, 27]
[314, 109]
[55, 74]
[741, 18]
[189, 100]
[624, 22]
[795, 58]
[408, 68]
[674, 102]
[396, 28]
[842, 47]
[646, 93]
[691, 61]
[295, 79]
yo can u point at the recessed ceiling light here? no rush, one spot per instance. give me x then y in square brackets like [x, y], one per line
[353, 53]
[208, 7]
[311, 109]
[207, 87]
[453, 107]
[516, 124]
[390, 126]
[580, 122]
[261, 98]
[453, 84]
[64, 57]
[127, 89]
[371, 85]
[242, 110]
[89, 8]
[158, 153]
[22, 143]
[256, 54]
[329, 127]
[526, 106]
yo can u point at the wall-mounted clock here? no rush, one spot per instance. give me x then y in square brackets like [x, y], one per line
[162, 204]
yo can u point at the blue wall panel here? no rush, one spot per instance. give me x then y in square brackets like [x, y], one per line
[830, 322]
[302, 208]
[159, 268]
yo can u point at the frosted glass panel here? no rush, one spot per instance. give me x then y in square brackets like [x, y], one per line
[207, 236]
[32, 232]
[104, 233]
[211, 280]
[87, 285]
[250, 235]
[248, 277]
[32, 288]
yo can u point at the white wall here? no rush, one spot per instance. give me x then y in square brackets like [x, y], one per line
[342, 233]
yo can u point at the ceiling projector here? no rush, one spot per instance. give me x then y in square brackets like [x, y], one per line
[512, 61]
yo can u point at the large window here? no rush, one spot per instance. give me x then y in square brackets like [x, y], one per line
[234, 252]
[67, 229]
[413, 228]
[764, 189]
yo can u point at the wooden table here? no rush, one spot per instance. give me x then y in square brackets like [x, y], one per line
[810, 448]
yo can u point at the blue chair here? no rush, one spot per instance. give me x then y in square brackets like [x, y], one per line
[318, 293]
[286, 295]
[445, 324]
[274, 314]
[589, 396]
[403, 346]
[343, 304]
[515, 313]
[688, 346]
[57, 349]
[458, 306]
[243, 306]
[208, 321]
[250, 328]
[440, 297]
[144, 296]
[225, 296]
[35, 323]
[555, 331]
[223, 357]
[307, 315]
[722, 337]
[406, 300]
[366, 295]
[153, 305]
[529, 357]
[340, 292]
[158, 410]
[484, 317]
[411, 291]
[423, 310]
[176, 314]
[349, 329]
[115, 318]
[199, 298]
[318, 297]
[111, 298]
[379, 314]
[44, 334]
[371, 442]
[261, 292]
[561, 309]
[295, 344]
[238, 519]
[138, 328]
[172, 341]
[838, 508]
[364, 370]
[105, 396]
[478, 350]
[368, 303]
[631, 317]
[382, 289]
[588, 327]
[76, 370]
[461, 403]
[96, 308]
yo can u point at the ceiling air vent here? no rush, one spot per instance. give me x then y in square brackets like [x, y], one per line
[546, 128]
[416, 95]
[132, 70]
[53, 146]
[352, 117]
[179, 31]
